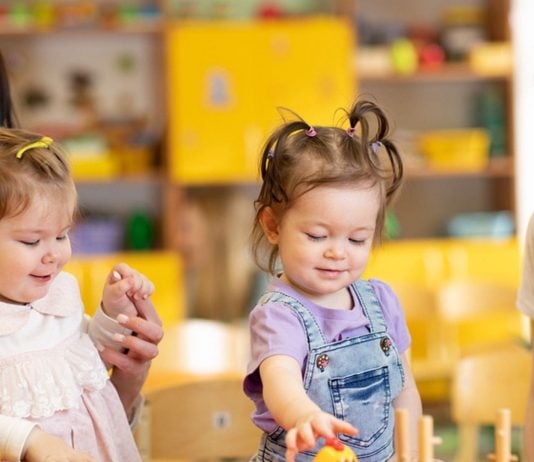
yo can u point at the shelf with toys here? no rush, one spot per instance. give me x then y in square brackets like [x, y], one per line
[444, 73]
[88, 74]
[105, 95]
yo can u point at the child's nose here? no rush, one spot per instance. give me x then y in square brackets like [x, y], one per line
[51, 255]
[336, 250]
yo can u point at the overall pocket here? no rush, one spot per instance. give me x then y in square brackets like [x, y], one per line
[364, 400]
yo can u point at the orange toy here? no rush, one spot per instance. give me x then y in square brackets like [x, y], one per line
[335, 451]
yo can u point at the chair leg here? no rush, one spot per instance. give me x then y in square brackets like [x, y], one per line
[467, 443]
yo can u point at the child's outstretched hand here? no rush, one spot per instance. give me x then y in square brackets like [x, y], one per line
[43, 447]
[123, 286]
[304, 434]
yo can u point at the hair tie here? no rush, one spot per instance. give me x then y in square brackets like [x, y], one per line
[270, 154]
[375, 146]
[311, 132]
[351, 131]
[44, 142]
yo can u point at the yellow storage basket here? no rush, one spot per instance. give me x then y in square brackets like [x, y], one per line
[461, 149]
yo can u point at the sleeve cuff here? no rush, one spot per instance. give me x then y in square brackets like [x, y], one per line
[102, 328]
[13, 436]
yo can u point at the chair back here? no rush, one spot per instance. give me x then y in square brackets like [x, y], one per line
[201, 419]
[484, 383]
[478, 313]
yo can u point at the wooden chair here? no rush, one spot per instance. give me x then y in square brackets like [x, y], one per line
[475, 314]
[197, 376]
[199, 420]
[483, 383]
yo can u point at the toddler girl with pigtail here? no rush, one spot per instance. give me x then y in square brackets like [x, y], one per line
[328, 349]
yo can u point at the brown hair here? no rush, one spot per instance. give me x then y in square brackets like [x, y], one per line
[40, 170]
[7, 112]
[298, 157]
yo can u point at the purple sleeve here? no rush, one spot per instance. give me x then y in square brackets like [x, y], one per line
[393, 315]
[275, 330]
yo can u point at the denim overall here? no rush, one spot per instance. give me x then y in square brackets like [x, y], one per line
[355, 379]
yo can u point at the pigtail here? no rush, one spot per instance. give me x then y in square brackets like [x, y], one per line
[397, 169]
[370, 144]
[275, 158]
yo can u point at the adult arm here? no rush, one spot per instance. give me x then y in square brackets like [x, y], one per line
[132, 361]
[528, 431]
[525, 303]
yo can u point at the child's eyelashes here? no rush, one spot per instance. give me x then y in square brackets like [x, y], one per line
[36, 242]
[30, 243]
[314, 237]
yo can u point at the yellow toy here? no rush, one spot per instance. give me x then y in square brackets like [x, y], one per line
[335, 451]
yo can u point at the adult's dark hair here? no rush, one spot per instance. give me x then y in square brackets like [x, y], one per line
[7, 112]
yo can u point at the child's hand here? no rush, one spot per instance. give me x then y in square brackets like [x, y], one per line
[42, 447]
[304, 434]
[123, 286]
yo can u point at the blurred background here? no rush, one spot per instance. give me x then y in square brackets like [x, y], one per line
[164, 106]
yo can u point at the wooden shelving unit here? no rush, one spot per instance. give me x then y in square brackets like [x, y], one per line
[443, 98]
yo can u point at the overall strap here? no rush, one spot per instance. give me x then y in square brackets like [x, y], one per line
[314, 334]
[370, 305]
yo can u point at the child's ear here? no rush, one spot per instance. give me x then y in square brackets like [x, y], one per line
[269, 223]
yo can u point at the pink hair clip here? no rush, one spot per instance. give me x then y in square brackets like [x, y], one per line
[311, 132]
[351, 131]
[376, 146]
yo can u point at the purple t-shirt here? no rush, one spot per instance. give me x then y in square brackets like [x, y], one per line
[276, 330]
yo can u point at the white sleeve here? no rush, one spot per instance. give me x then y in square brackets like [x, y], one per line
[13, 435]
[102, 328]
[525, 297]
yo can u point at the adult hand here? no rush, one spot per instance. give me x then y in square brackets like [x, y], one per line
[131, 365]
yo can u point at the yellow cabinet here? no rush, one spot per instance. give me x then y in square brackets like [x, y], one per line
[226, 79]
[164, 269]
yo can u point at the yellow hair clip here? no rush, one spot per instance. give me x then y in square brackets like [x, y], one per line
[44, 142]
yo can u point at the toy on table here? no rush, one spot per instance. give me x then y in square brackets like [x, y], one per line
[503, 438]
[335, 451]
[402, 436]
[427, 440]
